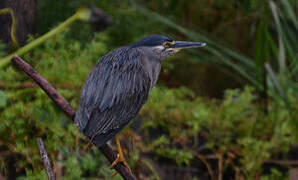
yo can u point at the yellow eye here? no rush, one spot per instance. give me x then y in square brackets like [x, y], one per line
[167, 44]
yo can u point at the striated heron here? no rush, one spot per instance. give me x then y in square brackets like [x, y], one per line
[119, 86]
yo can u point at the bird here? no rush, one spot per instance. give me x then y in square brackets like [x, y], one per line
[120, 84]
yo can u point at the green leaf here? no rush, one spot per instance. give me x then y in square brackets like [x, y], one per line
[3, 99]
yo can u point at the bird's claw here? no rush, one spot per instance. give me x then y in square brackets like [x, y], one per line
[119, 159]
[116, 161]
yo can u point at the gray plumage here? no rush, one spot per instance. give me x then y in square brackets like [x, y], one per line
[119, 86]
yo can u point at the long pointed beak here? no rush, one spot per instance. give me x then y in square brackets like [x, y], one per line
[185, 44]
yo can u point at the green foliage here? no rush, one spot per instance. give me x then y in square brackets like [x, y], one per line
[2, 46]
[234, 126]
[37, 175]
[285, 27]
[162, 147]
[274, 175]
[2, 100]
[29, 113]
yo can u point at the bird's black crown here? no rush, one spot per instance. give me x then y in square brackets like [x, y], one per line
[152, 40]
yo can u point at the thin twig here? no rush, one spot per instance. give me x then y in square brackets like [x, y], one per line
[45, 158]
[45, 85]
[203, 160]
[220, 167]
[283, 162]
[58, 166]
[106, 150]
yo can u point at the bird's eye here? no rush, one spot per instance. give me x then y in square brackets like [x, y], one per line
[167, 44]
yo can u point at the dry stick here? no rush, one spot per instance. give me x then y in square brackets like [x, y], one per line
[45, 158]
[106, 150]
[202, 158]
[220, 167]
[283, 162]
[204, 161]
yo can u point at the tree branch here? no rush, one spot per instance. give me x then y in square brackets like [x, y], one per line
[45, 158]
[106, 150]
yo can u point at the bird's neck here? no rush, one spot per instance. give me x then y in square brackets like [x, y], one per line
[151, 66]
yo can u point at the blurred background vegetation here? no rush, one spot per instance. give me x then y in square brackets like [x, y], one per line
[227, 111]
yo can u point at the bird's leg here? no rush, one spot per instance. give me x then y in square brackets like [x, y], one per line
[120, 156]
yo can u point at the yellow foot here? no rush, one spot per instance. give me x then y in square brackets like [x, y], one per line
[119, 159]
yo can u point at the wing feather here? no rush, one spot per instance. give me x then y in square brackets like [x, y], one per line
[113, 94]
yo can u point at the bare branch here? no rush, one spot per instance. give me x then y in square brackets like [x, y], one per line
[106, 150]
[45, 85]
[45, 158]
[283, 162]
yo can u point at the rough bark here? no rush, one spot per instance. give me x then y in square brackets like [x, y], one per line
[45, 158]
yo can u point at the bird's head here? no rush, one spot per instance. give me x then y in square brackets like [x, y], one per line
[163, 46]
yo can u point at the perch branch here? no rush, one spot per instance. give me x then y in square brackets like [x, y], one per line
[45, 158]
[106, 150]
